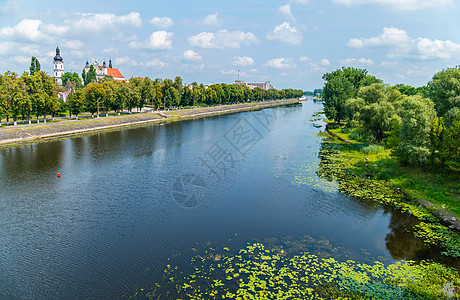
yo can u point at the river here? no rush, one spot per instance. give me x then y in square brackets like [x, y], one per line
[127, 201]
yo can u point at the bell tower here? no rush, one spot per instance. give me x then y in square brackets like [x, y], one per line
[58, 66]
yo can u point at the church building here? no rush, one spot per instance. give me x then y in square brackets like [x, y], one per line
[58, 63]
[104, 70]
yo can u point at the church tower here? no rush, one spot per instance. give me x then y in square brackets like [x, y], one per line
[58, 66]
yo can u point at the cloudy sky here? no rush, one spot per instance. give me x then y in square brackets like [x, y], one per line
[291, 43]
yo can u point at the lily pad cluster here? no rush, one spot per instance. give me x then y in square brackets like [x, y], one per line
[360, 182]
[257, 272]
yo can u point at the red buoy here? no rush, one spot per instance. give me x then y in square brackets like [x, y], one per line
[59, 175]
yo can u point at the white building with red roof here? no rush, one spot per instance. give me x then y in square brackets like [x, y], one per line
[104, 70]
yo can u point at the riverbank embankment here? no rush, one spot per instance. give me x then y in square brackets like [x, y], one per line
[370, 173]
[20, 134]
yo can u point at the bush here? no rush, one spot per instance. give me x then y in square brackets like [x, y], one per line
[355, 134]
[372, 149]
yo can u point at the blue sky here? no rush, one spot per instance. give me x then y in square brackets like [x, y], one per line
[291, 43]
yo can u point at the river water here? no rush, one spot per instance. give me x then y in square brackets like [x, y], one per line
[127, 201]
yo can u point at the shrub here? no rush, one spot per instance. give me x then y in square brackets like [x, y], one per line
[372, 149]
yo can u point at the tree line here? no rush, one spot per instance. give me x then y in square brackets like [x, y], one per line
[165, 93]
[420, 125]
[35, 94]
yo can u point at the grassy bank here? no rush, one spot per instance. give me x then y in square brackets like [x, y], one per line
[369, 172]
[16, 135]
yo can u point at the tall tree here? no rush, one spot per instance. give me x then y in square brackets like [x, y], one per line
[77, 103]
[15, 94]
[417, 116]
[71, 77]
[34, 65]
[90, 76]
[444, 90]
[335, 93]
[357, 77]
[94, 97]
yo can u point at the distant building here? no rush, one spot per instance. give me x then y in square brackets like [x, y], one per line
[265, 85]
[58, 66]
[104, 70]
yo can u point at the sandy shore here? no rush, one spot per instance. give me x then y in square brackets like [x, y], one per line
[20, 134]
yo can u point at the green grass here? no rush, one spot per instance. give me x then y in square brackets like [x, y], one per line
[439, 188]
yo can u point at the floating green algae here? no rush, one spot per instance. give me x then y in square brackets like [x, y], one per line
[258, 272]
[359, 181]
[305, 173]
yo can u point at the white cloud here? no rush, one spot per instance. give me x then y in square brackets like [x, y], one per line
[304, 58]
[26, 30]
[242, 61]
[162, 22]
[222, 39]
[73, 44]
[325, 62]
[356, 62]
[436, 49]
[154, 63]
[280, 63]
[110, 50]
[158, 40]
[191, 55]
[389, 64]
[22, 59]
[122, 60]
[401, 45]
[285, 33]
[210, 20]
[401, 4]
[300, 1]
[391, 37]
[106, 21]
[31, 50]
[234, 72]
[285, 10]
[10, 7]
[53, 29]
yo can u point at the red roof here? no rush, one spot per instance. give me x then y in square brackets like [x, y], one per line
[114, 73]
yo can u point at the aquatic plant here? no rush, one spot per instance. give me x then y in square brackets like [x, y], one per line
[360, 181]
[258, 272]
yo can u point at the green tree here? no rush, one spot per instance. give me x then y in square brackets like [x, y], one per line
[444, 90]
[15, 94]
[417, 115]
[71, 77]
[171, 96]
[148, 90]
[94, 96]
[90, 76]
[377, 118]
[357, 77]
[335, 93]
[111, 88]
[450, 149]
[34, 65]
[186, 98]
[76, 103]
[158, 99]
[198, 95]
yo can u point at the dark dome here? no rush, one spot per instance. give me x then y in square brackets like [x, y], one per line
[58, 56]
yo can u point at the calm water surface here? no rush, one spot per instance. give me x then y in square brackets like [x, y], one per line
[124, 203]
